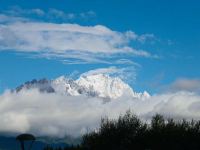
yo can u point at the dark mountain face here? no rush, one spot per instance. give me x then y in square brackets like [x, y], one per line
[43, 85]
[48, 86]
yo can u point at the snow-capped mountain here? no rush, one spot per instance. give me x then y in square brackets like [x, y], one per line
[68, 86]
[97, 85]
[108, 87]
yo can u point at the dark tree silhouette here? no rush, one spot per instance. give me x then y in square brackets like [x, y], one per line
[128, 132]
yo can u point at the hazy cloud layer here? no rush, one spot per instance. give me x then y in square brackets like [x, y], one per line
[185, 85]
[59, 115]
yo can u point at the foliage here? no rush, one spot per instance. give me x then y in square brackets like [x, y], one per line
[128, 132]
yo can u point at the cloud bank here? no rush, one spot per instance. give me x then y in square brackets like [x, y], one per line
[57, 115]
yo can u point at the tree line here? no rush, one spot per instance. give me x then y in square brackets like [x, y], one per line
[128, 132]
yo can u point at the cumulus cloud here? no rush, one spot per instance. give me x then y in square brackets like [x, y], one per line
[51, 114]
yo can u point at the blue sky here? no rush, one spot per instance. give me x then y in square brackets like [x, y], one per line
[163, 40]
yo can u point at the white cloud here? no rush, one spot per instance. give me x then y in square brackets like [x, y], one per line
[178, 105]
[87, 14]
[185, 84]
[21, 31]
[9, 19]
[18, 11]
[110, 70]
[55, 13]
[64, 37]
[69, 41]
[127, 61]
[141, 38]
[145, 37]
[58, 115]
[127, 74]
[51, 13]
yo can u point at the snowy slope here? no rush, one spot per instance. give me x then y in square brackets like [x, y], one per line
[108, 87]
[97, 85]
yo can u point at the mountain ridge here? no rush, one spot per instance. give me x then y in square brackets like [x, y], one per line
[97, 85]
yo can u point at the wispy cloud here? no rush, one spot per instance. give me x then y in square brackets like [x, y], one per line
[60, 14]
[70, 41]
[9, 19]
[51, 13]
[140, 38]
[18, 11]
[21, 30]
[127, 74]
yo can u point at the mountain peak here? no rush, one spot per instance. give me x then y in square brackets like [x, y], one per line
[105, 86]
[94, 85]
